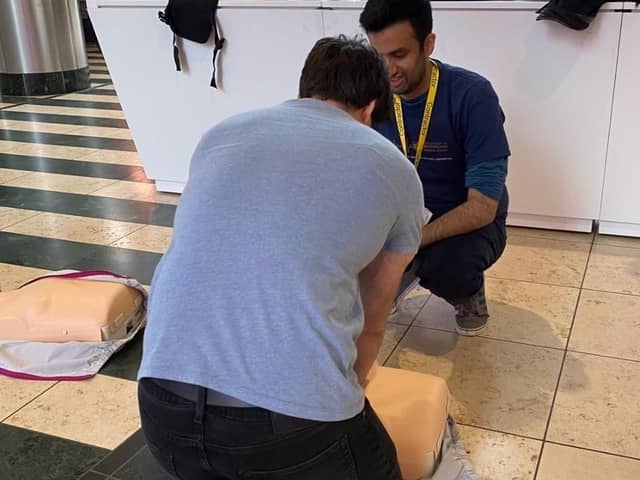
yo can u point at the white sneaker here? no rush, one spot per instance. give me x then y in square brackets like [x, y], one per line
[405, 289]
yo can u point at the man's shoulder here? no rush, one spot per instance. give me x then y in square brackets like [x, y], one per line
[462, 81]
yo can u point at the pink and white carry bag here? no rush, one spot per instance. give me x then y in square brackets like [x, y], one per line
[67, 324]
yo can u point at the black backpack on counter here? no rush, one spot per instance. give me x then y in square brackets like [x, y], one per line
[193, 20]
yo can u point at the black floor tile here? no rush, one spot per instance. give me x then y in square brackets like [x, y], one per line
[73, 167]
[93, 476]
[133, 263]
[142, 467]
[68, 140]
[99, 71]
[100, 91]
[29, 455]
[125, 363]
[88, 206]
[61, 102]
[16, 100]
[53, 254]
[39, 252]
[65, 119]
[121, 455]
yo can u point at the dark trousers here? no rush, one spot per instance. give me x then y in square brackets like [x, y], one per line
[192, 440]
[453, 268]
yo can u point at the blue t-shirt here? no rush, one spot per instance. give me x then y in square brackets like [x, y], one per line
[258, 295]
[466, 144]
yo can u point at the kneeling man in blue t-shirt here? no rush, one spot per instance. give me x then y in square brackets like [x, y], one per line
[449, 124]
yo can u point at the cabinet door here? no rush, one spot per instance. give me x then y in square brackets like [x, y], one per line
[621, 200]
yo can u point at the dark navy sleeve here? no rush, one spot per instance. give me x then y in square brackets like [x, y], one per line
[485, 141]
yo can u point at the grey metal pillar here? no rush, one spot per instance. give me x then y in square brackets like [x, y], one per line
[42, 47]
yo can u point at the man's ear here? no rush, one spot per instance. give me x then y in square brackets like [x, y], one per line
[367, 113]
[429, 44]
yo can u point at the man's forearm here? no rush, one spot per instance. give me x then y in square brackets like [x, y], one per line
[369, 344]
[477, 212]
[379, 284]
[377, 306]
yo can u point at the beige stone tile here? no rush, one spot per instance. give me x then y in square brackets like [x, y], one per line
[498, 456]
[614, 269]
[498, 385]
[8, 175]
[542, 261]
[597, 405]
[550, 234]
[392, 336]
[74, 228]
[9, 216]
[100, 76]
[615, 241]
[144, 192]
[560, 462]
[103, 132]
[102, 411]
[607, 324]
[14, 393]
[525, 312]
[151, 238]
[3, 104]
[113, 156]
[107, 87]
[12, 276]
[43, 150]
[39, 127]
[60, 183]
[411, 306]
[87, 97]
[80, 112]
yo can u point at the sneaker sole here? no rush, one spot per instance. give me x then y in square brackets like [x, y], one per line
[466, 332]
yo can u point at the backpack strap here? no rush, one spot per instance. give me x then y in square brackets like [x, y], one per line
[176, 52]
[218, 43]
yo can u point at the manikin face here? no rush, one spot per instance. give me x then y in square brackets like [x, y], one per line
[406, 59]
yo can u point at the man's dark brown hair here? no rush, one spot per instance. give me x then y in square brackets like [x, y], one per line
[349, 71]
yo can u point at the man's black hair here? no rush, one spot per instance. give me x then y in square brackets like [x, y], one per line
[380, 14]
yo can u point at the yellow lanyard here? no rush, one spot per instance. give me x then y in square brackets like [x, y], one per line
[426, 118]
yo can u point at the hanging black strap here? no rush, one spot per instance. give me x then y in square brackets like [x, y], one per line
[217, 46]
[218, 43]
[176, 53]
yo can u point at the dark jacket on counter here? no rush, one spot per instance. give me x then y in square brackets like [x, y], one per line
[575, 14]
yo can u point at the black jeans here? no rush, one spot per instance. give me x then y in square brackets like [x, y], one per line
[194, 441]
[453, 268]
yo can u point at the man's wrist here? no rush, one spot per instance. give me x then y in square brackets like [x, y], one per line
[427, 237]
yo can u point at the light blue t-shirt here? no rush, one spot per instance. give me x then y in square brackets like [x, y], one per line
[257, 296]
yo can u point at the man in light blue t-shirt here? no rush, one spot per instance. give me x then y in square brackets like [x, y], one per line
[269, 307]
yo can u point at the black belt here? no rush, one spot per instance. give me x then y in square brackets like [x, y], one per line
[191, 392]
[281, 423]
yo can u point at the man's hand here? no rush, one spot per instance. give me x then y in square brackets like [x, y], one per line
[477, 212]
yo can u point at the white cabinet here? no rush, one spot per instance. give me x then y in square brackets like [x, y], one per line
[168, 111]
[555, 86]
[621, 196]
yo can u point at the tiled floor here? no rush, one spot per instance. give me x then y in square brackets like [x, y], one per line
[550, 391]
